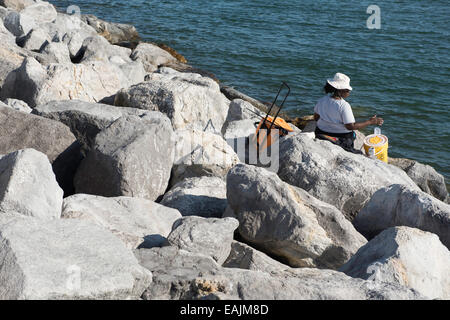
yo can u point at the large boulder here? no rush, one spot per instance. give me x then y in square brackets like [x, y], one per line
[86, 119]
[243, 256]
[200, 196]
[137, 222]
[20, 130]
[115, 33]
[31, 17]
[407, 256]
[37, 84]
[132, 157]
[425, 176]
[398, 205]
[208, 236]
[97, 48]
[182, 275]
[28, 185]
[188, 99]
[333, 175]
[199, 153]
[151, 56]
[17, 5]
[66, 259]
[286, 222]
[57, 51]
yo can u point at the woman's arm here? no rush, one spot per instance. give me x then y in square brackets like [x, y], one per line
[361, 125]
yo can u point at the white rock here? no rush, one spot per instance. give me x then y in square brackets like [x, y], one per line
[188, 99]
[208, 236]
[398, 205]
[151, 56]
[137, 222]
[199, 153]
[66, 259]
[28, 185]
[406, 256]
[199, 196]
[331, 174]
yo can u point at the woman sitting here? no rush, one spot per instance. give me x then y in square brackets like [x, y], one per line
[334, 115]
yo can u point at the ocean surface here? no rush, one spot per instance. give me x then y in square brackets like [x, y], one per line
[399, 72]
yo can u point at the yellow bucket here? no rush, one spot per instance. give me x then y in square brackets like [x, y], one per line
[380, 144]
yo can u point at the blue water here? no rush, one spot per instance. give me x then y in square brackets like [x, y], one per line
[400, 72]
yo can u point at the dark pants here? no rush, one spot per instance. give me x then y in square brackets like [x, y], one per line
[344, 140]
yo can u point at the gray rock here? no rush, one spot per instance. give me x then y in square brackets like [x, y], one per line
[18, 105]
[19, 131]
[151, 56]
[132, 157]
[36, 84]
[333, 175]
[31, 17]
[181, 275]
[398, 205]
[287, 222]
[199, 153]
[35, 40]
[71, 31]
[208, 236]
[58, 51]
[201, 196]
[28, 185]
[188, 99]
[97, 48]
[137, 222]
[17, 5]
[66, 259]
[407, 256]
[19, 24]
[86, 119]
[42, 12]
[425, 176]
[115, 33]
[245, 257]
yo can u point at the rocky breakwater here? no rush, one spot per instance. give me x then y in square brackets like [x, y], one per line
[120, 178]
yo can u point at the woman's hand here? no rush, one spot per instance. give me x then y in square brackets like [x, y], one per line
[377, 121]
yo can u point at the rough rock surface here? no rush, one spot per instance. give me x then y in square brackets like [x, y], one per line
[243, 256]
[407, 256]
[200, 196]
[37, 84]
[137, 222]
[178, 274]
[287, 222]
[331, 174]
[208, 236]
[397, 205]
[28, 185]
[20, 130]
[151, 56]
[425, 176]
[18, 105]
[199, 153]
[66, 259]
[86, 119]
[132, 157]
[115, 33]
[188, 99]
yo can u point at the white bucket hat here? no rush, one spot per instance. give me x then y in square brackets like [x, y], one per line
[340, 81]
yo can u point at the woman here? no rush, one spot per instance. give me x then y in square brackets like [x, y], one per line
[334, 115]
